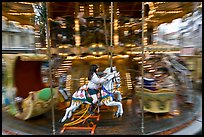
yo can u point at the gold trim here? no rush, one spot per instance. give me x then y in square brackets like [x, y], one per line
[33, 57]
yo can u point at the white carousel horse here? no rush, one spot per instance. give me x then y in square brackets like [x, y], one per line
[107, 95]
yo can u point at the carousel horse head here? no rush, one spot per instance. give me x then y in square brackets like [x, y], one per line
[115, 77]
[110, 69]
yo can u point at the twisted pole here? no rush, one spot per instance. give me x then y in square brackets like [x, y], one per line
[111, 38]
[142, 105]
[104, 21]
[50, 71]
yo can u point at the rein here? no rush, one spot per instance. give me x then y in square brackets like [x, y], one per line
[109, 93]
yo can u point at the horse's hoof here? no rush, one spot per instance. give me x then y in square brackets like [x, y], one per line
[116, 115]
[62, 120]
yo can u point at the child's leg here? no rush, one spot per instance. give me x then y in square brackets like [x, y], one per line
[92, 107]
[95, 99]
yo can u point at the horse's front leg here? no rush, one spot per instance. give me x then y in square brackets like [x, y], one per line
[119, 112]
[119, 107]
[119, 96]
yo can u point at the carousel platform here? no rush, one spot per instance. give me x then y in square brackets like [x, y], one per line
[187, 122]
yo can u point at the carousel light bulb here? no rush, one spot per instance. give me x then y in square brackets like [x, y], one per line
[100, 45]
[76, 21]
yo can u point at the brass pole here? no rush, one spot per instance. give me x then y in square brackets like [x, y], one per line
[105, 31]
[111, 41]
[142, 105]
[50, 71]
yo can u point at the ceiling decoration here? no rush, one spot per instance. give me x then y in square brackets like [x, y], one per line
[129, 15]
[164, 11]
[19, 11]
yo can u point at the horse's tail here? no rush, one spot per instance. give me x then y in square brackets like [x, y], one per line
[71, 101]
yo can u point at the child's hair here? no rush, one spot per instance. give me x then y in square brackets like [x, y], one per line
[92, 70]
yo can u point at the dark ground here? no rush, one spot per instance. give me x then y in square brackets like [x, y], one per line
[129, 124]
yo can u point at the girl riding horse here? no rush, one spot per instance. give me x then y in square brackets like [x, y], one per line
[94, 85]
[107, 93]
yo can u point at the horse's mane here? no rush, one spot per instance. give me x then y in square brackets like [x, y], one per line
[108, 70]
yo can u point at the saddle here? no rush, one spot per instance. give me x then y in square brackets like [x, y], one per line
[88, 96]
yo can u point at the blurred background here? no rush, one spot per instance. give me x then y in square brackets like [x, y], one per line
[80, 35]
[45, 41]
